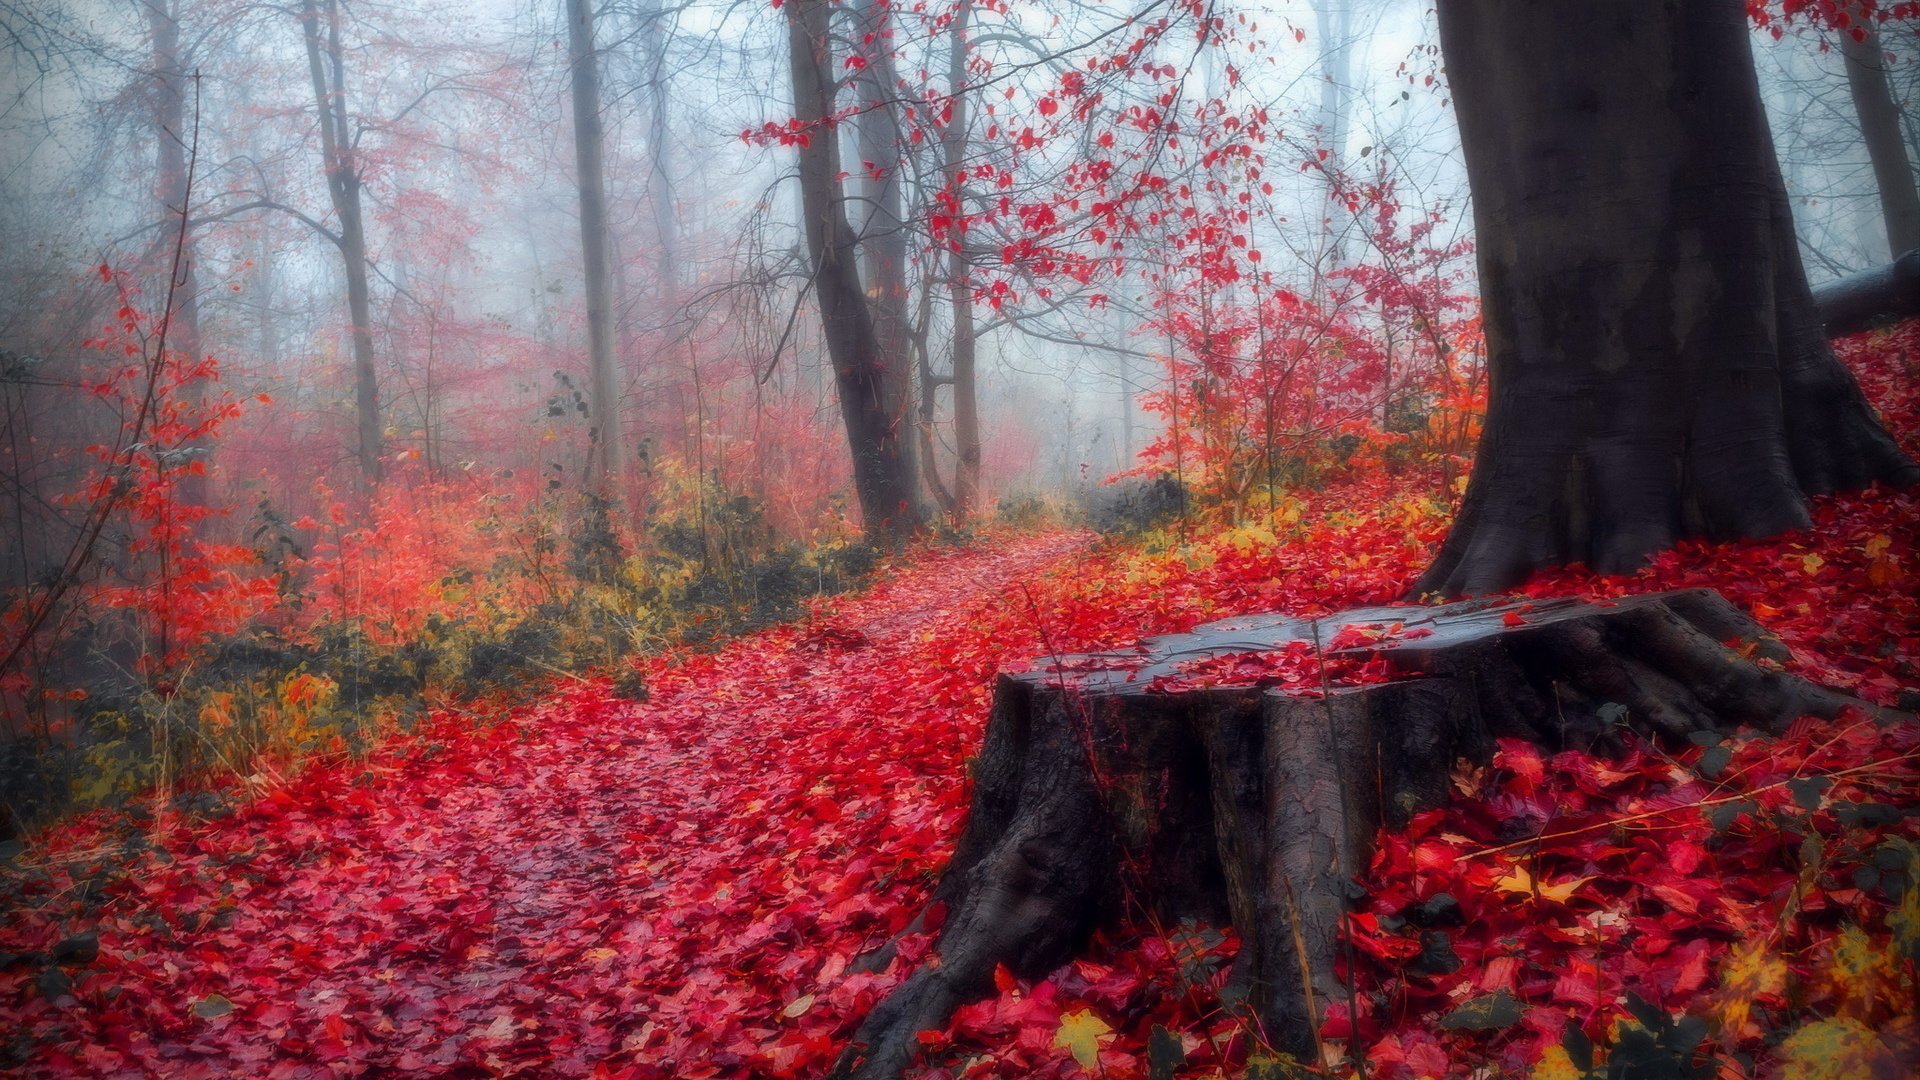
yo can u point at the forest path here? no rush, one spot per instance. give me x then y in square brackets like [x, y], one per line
[595, 887]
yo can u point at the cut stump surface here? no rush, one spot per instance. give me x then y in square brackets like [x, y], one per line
[1239, 773]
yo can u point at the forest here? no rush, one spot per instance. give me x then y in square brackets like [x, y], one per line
[1162, 539]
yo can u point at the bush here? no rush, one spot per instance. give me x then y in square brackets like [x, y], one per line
[1134, 504]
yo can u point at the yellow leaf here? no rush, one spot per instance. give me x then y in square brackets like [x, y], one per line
[1812, 563]
[1555, 1064]
[797, 1006]
[1520, 881]
[1904, 921]
[1862, 973]
[1079, 1035]
[1839, 1049]
[1751, 972]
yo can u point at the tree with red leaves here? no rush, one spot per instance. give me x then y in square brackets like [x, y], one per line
[1658, 368]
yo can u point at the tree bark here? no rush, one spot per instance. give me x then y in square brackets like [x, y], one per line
[1101, 788]
[876, 442]
[1657, 366]
[1866, 63]
[326, 67]
[589, 143]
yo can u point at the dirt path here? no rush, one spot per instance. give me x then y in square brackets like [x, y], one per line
[598, 888]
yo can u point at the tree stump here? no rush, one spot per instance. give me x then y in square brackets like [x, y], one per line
[1240, 772]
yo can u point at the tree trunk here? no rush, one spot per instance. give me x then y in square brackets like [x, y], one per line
[880, 463]
[666, 222]
[1658, 369]
[1333, 21]
[1115, 781]
[327, 69]
[172, 190]
[1873, 103]
[966, 404]
[588, 155]
[883, 232]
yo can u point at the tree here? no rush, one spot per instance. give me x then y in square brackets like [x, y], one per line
[1658, 369]
[1873, 103]
[172, 188]
[883, 230]
[1855, 24]
[590, 176]
[881, 467]
[326, 67]
[966, 411]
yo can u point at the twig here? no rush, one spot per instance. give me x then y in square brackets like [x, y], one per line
[1610, 823]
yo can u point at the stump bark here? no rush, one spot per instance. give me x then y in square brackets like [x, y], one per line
[1258, 804]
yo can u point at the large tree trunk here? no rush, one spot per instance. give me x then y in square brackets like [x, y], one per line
[172, 189]
[589, 156]
[1866, 62]
[326, 67]
[880, 463]
[1122, 780]
[1657, 366]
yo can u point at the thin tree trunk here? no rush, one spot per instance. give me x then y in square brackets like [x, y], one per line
[874, 438]
[1658, 366]
[172, 190]
[327, 69]
[1333, 19]
[1866, 63]
[660, 180]
[929, 404]
[588, 151]
[966, 415]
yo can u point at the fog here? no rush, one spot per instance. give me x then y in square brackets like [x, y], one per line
[356, 229]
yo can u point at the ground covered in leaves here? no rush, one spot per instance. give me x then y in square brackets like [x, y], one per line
[677, 887]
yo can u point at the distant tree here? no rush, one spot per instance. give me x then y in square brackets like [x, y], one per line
[1658, 369]
[172, 135]
[590, 177]
[1879, 114]
[321, 21]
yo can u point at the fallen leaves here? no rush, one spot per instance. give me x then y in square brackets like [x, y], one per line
[679, 888]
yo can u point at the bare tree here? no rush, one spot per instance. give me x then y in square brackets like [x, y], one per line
[589, 150]
[881, 471]
[1866, 62]
[326, 66]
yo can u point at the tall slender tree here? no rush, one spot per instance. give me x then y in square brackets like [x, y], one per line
[327, 70]
[1879, 115]
[589, 150]
[966, 407]
[875, 437]
[172, 134]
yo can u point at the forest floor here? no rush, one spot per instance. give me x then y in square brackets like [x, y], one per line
[676, 888]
